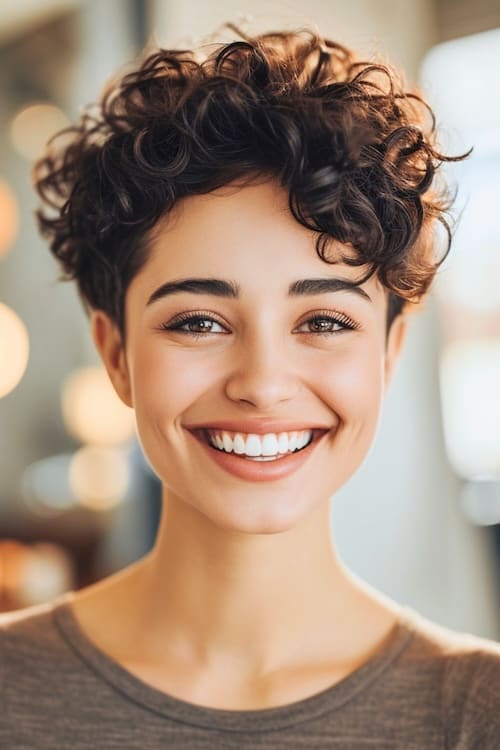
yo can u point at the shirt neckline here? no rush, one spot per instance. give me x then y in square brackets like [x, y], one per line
[255, 720]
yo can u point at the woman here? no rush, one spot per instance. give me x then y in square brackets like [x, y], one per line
[248, 235]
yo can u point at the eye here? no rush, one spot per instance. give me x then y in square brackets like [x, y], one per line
[326, 323]
[199, 324]
[194, 324]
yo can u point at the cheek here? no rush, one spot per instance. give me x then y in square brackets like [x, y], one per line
[353, 385]
[166, 380]
[353, 390]
[164, 385]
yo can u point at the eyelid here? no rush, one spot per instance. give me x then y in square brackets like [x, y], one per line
[185, 317]
[336, 316]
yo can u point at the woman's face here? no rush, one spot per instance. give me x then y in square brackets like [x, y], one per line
[313, 359]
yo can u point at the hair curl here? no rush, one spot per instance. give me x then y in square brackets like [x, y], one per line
[354, 150]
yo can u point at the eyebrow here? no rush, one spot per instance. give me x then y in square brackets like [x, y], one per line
[230, 289]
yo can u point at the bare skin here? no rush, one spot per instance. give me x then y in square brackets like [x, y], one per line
[243, 602]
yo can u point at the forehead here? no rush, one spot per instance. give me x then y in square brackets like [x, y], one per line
[246, 233]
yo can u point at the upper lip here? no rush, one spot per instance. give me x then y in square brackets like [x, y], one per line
[257, 426]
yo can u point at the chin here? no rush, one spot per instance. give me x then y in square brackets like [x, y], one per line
[257, 513]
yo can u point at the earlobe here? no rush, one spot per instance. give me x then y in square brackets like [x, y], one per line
[396, 339]
[109, 344]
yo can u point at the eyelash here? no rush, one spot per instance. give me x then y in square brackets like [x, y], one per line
[184, 318]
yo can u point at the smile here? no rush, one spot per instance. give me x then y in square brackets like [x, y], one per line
[259, 467]
[268, 447]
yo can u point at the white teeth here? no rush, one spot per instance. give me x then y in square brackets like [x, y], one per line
[269, 445]
[302, 439]
[263, 446]
[253, 446]
[283, 442]
[238, 444]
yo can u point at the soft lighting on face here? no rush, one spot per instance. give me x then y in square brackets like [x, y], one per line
[92, 411]
[14, 349]
[9, 218]
[32, 127]
[470, 394]
[99, 476]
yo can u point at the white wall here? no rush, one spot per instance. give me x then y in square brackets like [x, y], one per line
[403, 29]
[398, 522]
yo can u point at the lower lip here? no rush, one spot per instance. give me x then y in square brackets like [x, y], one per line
[257, 471]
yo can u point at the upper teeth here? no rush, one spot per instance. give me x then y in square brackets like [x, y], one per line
[269, 444]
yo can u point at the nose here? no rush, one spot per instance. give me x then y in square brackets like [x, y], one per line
[263, 374]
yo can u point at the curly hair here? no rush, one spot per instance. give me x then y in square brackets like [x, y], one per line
[354, 150]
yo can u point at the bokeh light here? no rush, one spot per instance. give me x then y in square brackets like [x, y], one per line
[45, 486]
[48, 571]
[92, 411]
[99, 476]
[470, 396]
[34, 573]
[481, 501]
[14, 349]
[32, 127]
[9, 218]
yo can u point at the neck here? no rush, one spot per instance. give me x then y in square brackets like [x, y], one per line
[216, 596]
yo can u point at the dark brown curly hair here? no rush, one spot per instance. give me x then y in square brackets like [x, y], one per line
[354, 150]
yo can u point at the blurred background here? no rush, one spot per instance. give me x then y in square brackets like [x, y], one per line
[420, 520]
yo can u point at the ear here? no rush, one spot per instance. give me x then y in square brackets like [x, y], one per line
[109, 344]
[394, 345]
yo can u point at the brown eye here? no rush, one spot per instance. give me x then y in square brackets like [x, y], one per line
[329, 324]
[196, 325]
[323, 325]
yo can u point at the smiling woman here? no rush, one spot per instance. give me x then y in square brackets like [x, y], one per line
[264, 337]
[248, 234]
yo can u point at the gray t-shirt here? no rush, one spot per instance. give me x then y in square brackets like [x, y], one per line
[427, 687]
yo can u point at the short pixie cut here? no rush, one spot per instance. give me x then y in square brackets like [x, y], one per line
[354, 150]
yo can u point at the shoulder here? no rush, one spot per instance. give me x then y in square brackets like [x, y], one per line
[29, 636]
[27, 623]
[466, 672]
[473, 684]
